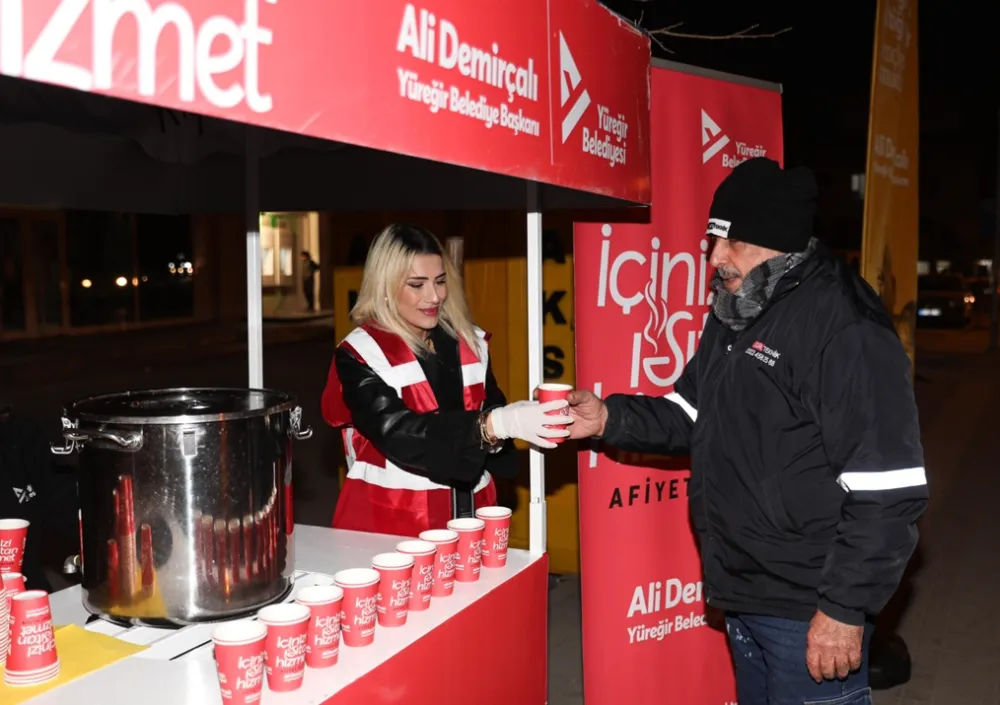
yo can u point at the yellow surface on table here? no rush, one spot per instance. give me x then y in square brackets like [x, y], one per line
[80, 652]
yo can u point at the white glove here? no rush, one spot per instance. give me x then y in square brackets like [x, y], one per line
[528, 421]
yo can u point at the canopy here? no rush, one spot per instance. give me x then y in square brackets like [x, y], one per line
[554, 92]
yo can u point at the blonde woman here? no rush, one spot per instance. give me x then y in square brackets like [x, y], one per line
[425, 425]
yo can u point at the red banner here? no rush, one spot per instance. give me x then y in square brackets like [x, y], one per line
[555, 91]
[641, 304]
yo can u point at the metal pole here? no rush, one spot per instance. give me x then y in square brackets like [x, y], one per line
[995, 269]
[536, 361]
[255, 312]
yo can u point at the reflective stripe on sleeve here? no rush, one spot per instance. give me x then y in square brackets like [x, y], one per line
[881, 480]
[684, 405]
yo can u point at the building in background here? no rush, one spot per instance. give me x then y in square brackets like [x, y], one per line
[285, 272]
[76, 271]
[73, 272]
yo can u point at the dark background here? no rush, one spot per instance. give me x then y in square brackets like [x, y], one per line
[824, 64]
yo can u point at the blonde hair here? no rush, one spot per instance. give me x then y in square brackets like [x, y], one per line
[387, 268]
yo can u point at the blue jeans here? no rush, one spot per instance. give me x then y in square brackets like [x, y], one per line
[769, 654]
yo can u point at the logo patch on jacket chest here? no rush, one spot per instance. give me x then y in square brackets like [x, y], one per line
[760, 352]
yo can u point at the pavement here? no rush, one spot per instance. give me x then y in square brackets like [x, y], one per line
[945, 611]
[948, 619]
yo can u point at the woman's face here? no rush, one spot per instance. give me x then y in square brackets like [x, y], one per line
[423, 292]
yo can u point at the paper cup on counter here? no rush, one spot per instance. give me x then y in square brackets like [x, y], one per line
[13, 585]
[554, 392]
[325, 602]
[357, 617]
[444, 561]
[4, 623]
[469, 552]
[422, 577]
[395, 571]
[13, 536]
[285, 645]
[496, 534]
[240, 659]
[32, 657]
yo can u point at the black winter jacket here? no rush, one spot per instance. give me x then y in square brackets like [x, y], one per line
[445, 446]
[807, 468]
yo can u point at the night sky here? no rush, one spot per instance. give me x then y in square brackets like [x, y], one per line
[824, 65]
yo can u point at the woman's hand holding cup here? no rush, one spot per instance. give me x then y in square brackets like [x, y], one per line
[532, 422]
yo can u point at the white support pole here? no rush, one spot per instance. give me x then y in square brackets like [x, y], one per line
[255, 325]
[536, 361]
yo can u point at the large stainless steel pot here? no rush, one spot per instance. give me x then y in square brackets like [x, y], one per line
[186, 501]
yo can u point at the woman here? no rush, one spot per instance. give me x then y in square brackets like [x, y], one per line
[425, 424]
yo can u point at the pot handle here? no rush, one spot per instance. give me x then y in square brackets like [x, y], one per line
[75, 438]
[295, 430]
[72, 565]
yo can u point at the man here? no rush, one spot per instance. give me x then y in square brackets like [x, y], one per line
[807, 470]
[309, 280]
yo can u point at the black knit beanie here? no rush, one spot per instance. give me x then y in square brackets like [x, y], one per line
[762, 204]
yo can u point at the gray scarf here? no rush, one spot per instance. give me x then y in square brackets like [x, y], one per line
[738, 310]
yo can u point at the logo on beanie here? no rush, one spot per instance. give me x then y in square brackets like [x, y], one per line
[717, 227]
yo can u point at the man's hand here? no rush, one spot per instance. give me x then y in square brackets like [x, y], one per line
[833, 649]
[589, 414]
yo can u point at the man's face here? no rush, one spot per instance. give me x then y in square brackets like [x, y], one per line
[734, 260]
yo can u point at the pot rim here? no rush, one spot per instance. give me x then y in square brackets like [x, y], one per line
[71, 410]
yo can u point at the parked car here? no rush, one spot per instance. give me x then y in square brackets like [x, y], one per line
[980, 288]
[944, 300]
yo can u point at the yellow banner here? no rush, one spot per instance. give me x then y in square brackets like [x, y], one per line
[890, 239]
[557, 321]
[346, 285]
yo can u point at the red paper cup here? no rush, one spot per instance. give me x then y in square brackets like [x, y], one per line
[422, 577]
[357, 618]
[496, 534]
[470, 548]
[285, 645]
[32, 649]
[13, 585]
[396, 571]
[239, 655]
[554, 392]
[13, 534]
[444, 562]
[323, 636]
